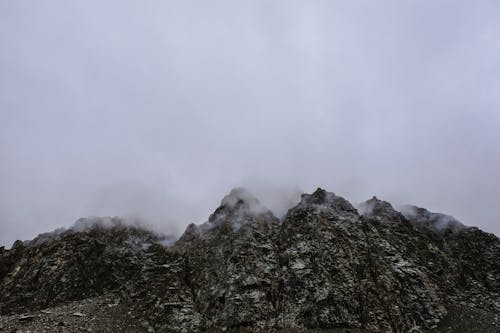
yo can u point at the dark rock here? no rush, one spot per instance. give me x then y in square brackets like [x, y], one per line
[25, 317]
[379, 209]
[74, 265]
[437, 222]
[326, 265]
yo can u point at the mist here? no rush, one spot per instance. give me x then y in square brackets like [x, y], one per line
[156, 110]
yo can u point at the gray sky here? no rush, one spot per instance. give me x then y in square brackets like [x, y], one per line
[156, 109]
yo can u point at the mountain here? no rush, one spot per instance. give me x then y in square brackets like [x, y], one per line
[326, 265]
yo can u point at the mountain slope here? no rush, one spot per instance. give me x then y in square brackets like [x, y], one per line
[325, 265]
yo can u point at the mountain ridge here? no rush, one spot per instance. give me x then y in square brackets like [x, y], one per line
[324, 265]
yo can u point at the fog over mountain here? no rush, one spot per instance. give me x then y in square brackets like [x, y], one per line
[155, 110]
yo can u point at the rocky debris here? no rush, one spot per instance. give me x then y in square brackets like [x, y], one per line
[25, 317]
[464, 319]
[98, 318]
[325, 265]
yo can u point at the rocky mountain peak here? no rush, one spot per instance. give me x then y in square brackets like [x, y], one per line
[434, 221]
[237, 208]
[191, 233]
[376, 208]
[325, 201]
[240, 197]
[243, 270]
[101, 227]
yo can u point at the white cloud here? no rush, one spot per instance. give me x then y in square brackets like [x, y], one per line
[158, 109]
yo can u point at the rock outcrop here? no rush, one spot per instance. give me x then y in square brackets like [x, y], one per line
[326, 264]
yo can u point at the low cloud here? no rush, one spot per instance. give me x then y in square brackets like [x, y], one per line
[156, 111]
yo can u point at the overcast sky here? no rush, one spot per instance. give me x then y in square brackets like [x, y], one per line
[156, 109]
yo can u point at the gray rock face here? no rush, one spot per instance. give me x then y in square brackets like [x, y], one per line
[71, 265]
[325, 265]
[435, 221]
[341, 267]
[380, 210]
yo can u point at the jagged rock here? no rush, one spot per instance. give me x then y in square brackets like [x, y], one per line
[323, 200]
[237, 253]
[25, 317]
[436, 221]
[325, 265]
[345, 268]
[73, 265]
[379, 209]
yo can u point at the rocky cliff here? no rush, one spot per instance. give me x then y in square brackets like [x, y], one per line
[325, 265]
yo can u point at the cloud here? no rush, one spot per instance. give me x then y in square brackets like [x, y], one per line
[158, 109]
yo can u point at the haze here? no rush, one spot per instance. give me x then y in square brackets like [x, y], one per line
[156, 109]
